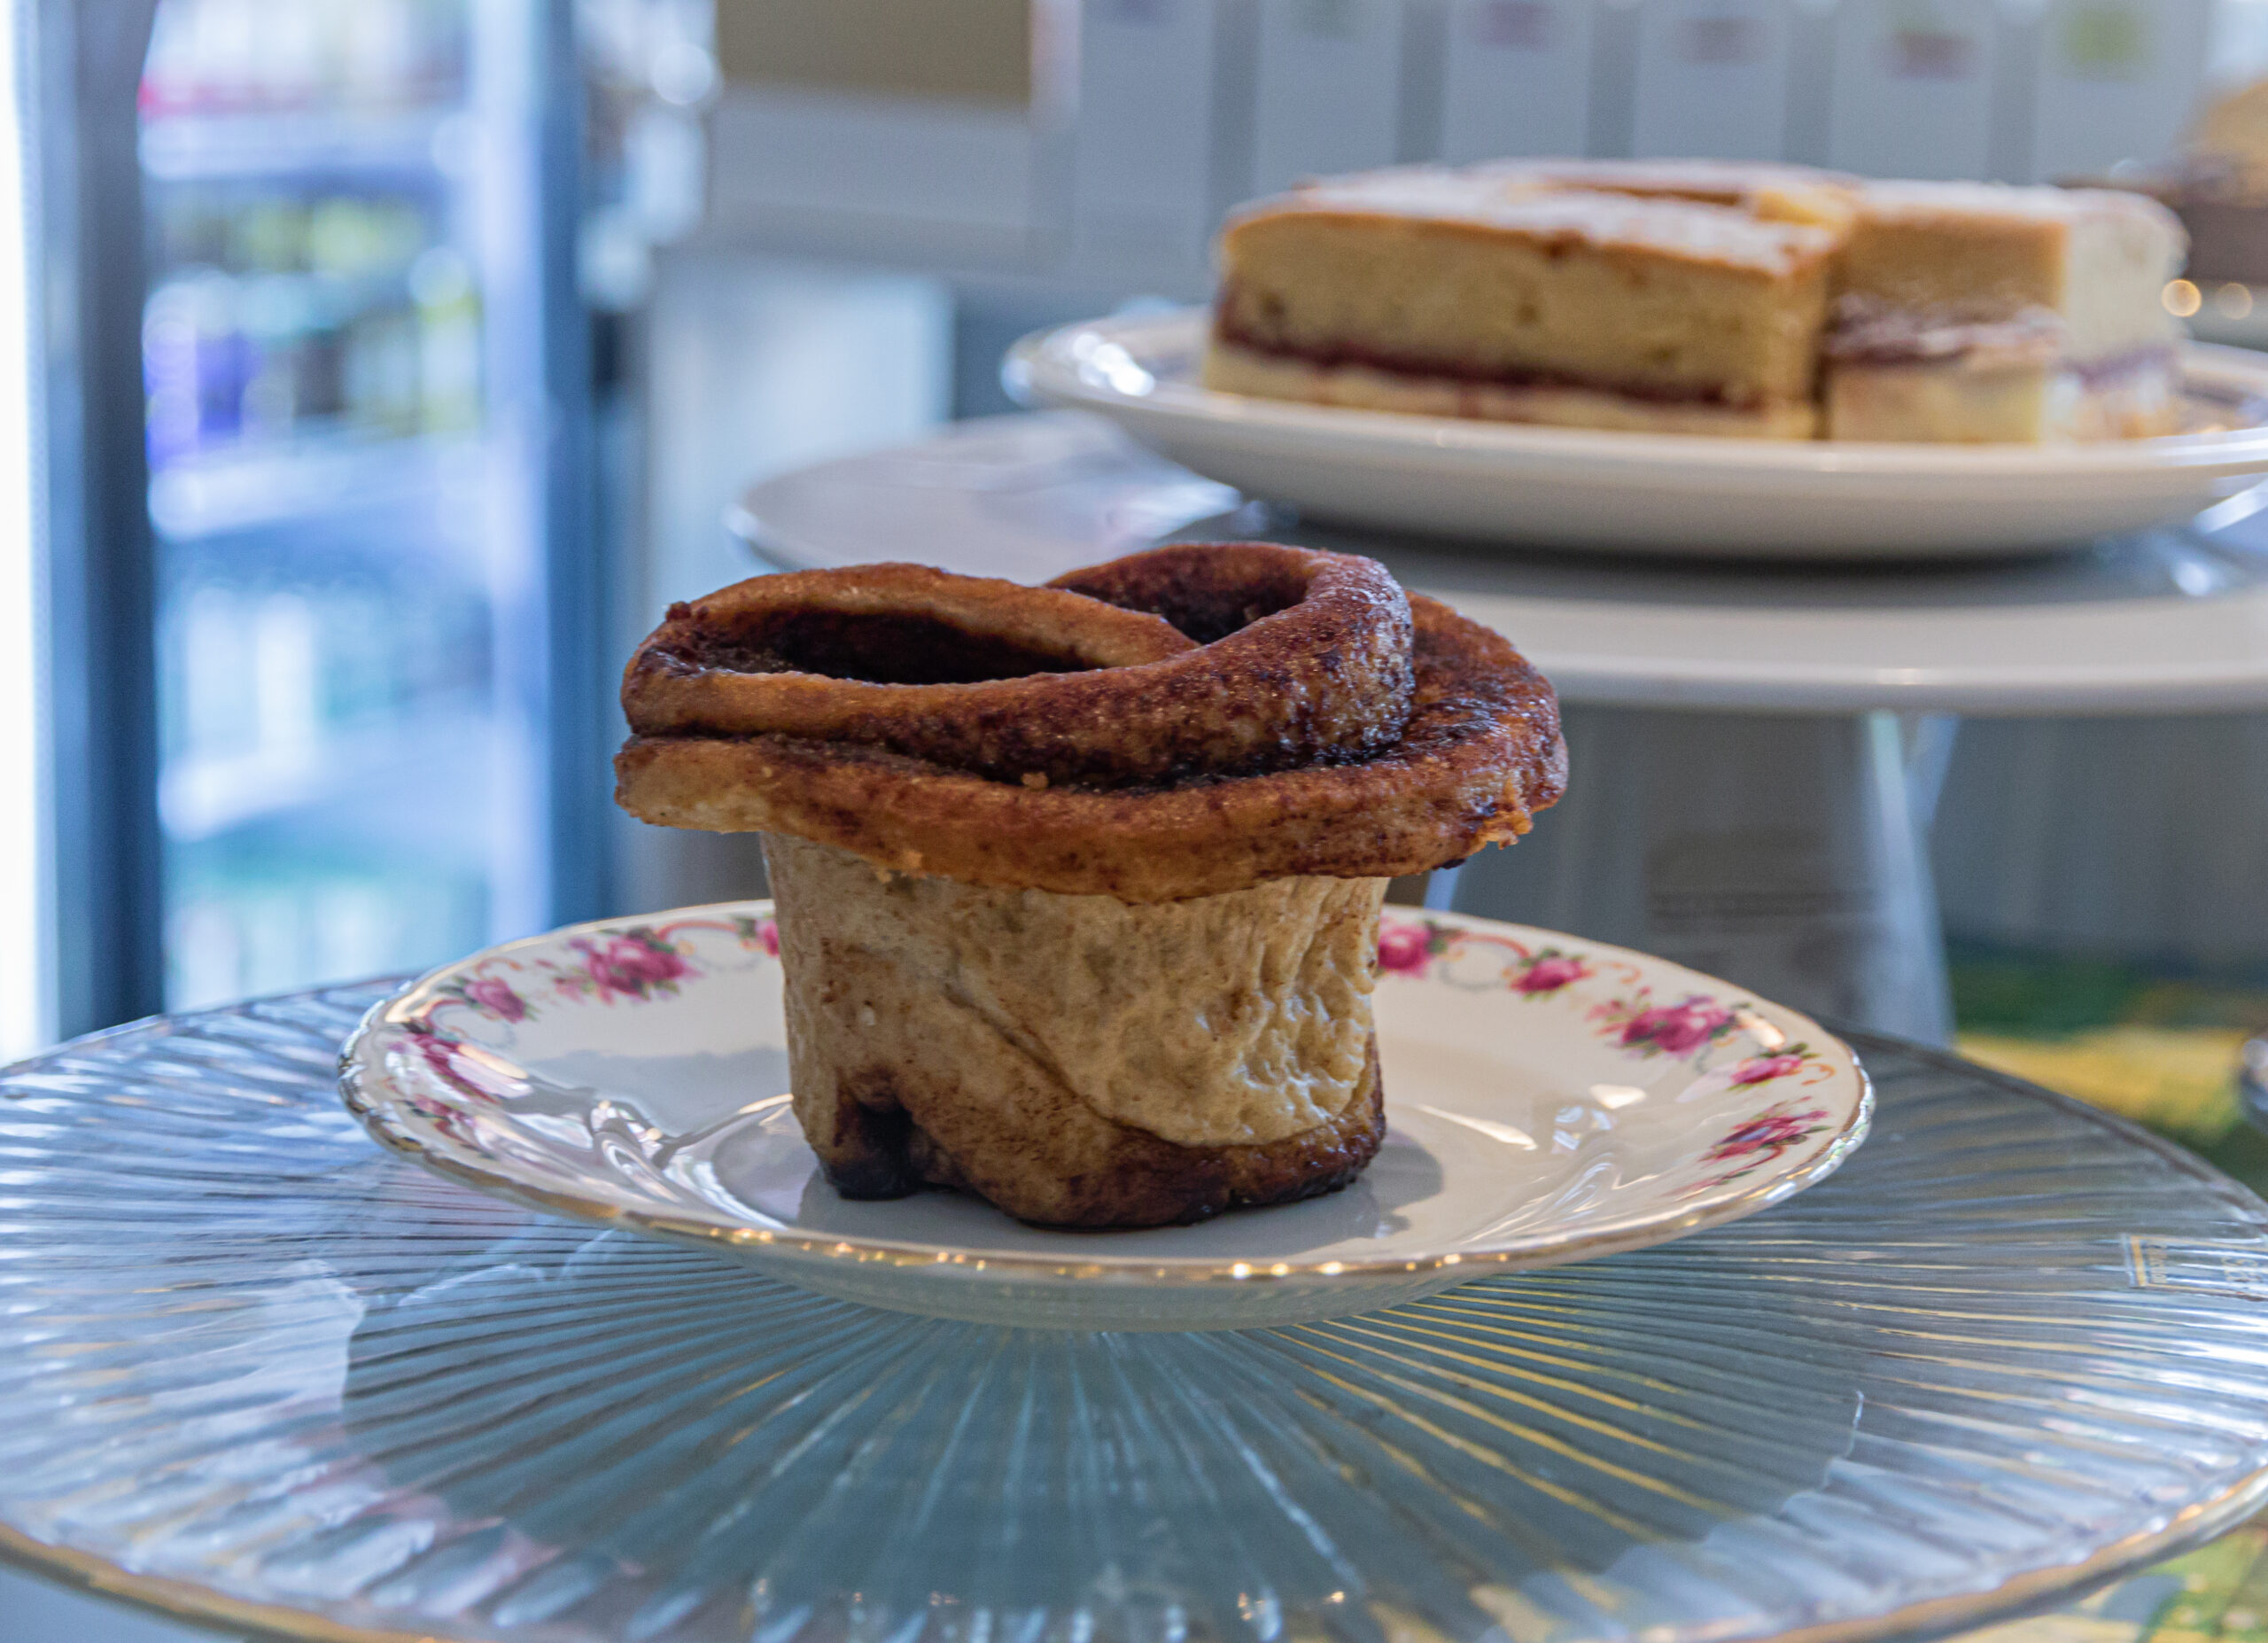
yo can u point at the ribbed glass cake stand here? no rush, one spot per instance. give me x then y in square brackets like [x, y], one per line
[253, 1369]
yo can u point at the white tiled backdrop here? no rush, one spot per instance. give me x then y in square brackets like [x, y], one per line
[1149, 117]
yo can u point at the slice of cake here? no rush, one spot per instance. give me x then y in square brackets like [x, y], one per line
[1498, 294]
[1976, 312]
[1693, 297]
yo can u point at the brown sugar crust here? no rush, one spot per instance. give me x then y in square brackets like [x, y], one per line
[894, 1128]
[1477, 752]
[1281, 657]
[1092, 1173]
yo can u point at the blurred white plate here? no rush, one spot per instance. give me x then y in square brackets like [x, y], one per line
[1656, 493]
[1547, 1100]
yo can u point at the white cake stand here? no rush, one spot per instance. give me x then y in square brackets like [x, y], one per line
[1757, 748]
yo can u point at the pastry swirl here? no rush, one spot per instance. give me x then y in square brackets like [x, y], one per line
[1309, 660]
[1182, 722]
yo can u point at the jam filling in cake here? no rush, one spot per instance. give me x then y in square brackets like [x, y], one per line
[1468, 293]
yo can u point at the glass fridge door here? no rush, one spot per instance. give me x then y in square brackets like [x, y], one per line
[353, 448]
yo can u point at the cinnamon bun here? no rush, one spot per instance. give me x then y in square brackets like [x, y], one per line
[1078, 886]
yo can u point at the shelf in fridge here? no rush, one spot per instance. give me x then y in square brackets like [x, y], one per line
[203, 796]
[251, 484]
[202, 147]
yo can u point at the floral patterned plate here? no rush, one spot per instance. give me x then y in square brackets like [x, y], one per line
[1547, 1100]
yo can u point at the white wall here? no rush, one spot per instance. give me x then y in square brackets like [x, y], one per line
[756, 365]
[1156, 115]
[759, 365]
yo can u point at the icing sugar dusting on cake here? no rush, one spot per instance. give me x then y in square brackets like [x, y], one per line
[1511, 199]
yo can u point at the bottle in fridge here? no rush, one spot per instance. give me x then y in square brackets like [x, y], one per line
[359, 362]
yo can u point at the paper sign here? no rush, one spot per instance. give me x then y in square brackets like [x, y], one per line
[1913, 88]
[1329, 88]
[2117, 80]
[1712, 79]
[1142, 157]
[1518, 79]
[2217, 1268]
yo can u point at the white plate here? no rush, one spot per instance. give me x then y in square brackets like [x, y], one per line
[1547, 1100]
[1658, 492]
[2166, 621]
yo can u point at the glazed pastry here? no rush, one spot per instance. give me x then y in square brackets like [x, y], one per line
[1077, 886]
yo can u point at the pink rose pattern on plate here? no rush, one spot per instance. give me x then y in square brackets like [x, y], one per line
[1688, 1028]
[634, 962]
[1764, 1069]
[1411, 949]
[636, 965]
[1761, 1139]
[495, 994]
[465, 1069]
[640, 961]
[1405, 949]
[1549, 971]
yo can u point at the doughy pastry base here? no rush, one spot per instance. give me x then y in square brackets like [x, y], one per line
[1076, 1060]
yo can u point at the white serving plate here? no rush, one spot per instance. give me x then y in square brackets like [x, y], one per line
[2166, 621]
[1644, 491]
[1548, 1100]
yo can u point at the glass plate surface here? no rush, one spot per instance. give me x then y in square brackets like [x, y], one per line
[256, 1369]
[1551, 1100]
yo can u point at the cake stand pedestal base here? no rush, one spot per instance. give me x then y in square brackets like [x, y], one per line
[1786, 853]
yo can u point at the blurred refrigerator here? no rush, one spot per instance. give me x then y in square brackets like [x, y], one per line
[374, 693]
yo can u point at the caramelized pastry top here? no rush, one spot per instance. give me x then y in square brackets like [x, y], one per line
[1231, 662]
[1182, 722]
